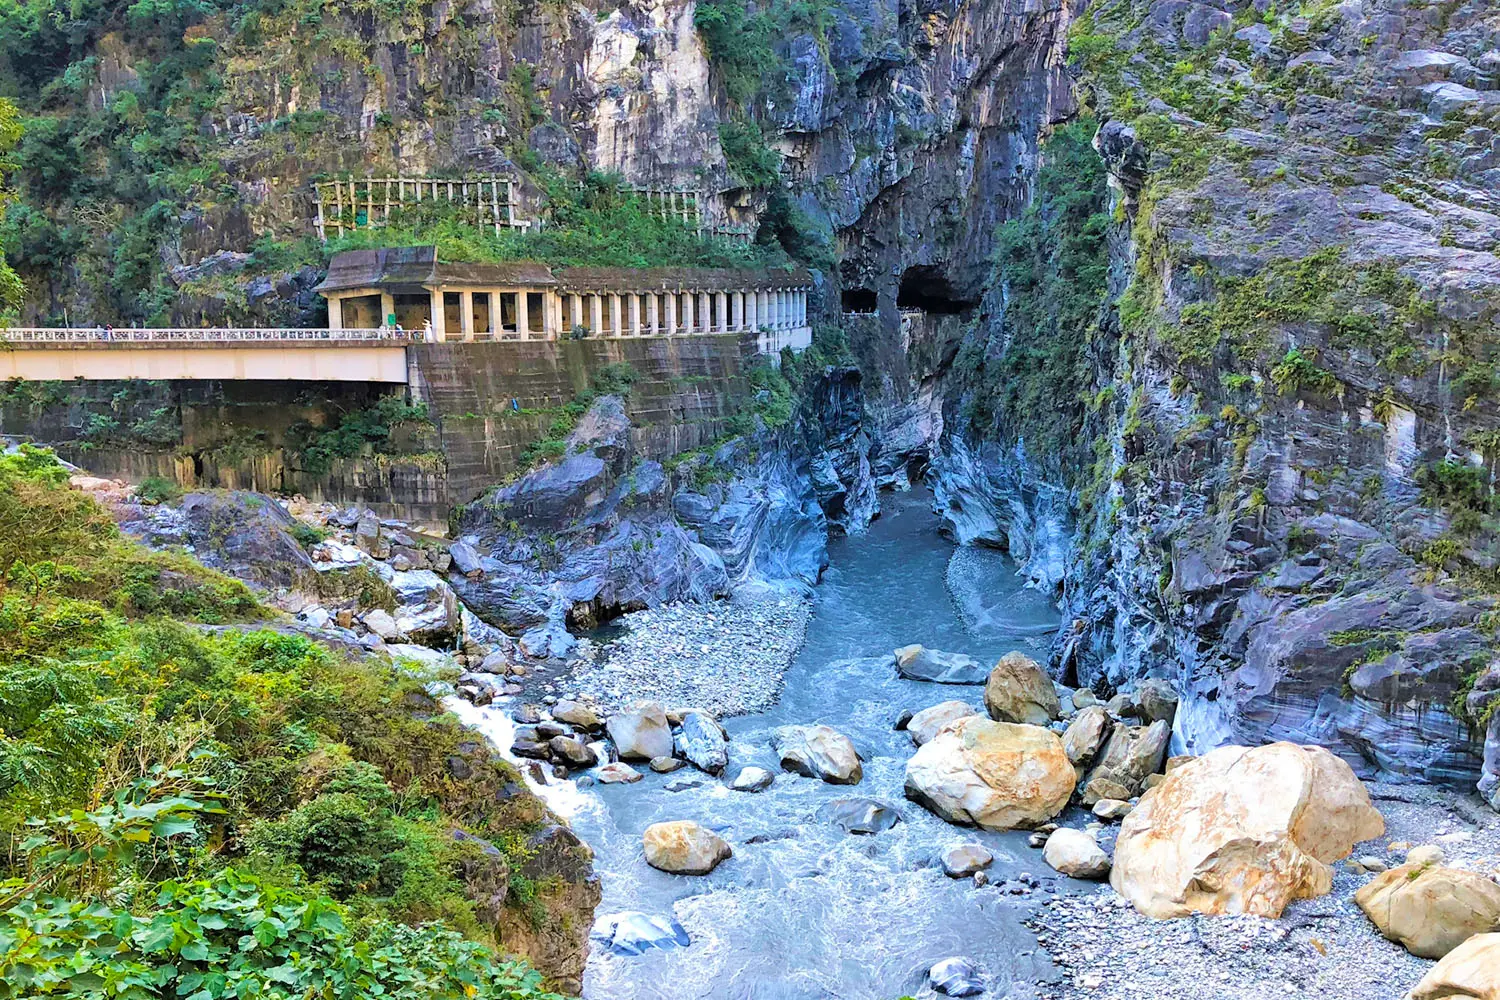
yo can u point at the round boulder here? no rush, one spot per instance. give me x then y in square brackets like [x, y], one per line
[1076, 854]
[1018, 690]
[752, 779]
[858, 815]
[1242, 830]
[641, 732]
[966, 859]
[1430, 910]
[1469, 972]
[957, 977]
[996, 775]
[818, 752]
[684, 847]
[924, 725]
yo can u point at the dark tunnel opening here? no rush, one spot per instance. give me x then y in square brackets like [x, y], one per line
[923, 286]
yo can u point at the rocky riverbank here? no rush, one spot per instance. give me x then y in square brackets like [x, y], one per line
[1323, 947]
[727, 658]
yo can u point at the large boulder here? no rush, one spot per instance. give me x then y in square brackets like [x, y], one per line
[918, 663]
[924, 725]
[818, 752]
[1431, 910]
[641, 732]
[1018, 690]
[1242, 830]
[1086, 734]
[1469, 972]
[247, 535]
[684, 847]
[702, 743]
[1075, 854]
[996, 775]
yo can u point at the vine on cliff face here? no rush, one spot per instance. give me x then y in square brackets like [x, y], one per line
[1052, 263]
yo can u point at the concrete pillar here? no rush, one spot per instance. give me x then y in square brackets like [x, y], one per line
[669, 300]
[721, 305]
[802, 308]
[766, 316]
[439, 318]
[633, 311]
[523, 318]
[752, 310]
[653, 320]
[575, 310]
[335, 313]
[596, 315]
[687, 311]
[736, 310]
[388, 306]
[466, 313]
[705, 313]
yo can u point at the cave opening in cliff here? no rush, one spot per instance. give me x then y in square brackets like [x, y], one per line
[858, 300]
[925, 287]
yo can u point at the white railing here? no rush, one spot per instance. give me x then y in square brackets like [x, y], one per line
[99, 335]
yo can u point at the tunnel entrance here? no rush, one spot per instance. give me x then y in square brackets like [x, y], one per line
[858, 300]
[924, 287]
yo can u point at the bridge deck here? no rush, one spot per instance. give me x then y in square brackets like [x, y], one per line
[37, 354]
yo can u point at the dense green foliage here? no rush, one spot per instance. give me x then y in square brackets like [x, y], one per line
[235, 935]
[358, 432]
[143, 756]
[1052, 263]
[598, 223]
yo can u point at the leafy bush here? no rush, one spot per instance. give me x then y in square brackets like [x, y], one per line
[156, 490]
[1455, 482]
[1296, 372]
[355, 433]
[235, 935]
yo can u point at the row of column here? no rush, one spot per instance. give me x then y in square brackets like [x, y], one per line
[649, 314]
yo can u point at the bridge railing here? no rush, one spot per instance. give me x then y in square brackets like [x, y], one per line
[99, 335]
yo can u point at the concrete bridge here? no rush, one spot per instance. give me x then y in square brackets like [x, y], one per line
[41, 354]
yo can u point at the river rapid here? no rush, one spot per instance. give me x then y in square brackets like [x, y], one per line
[804, 910]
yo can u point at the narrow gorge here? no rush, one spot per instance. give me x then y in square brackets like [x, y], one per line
[707, 498]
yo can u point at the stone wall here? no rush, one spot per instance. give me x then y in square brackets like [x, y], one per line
[492, 400]
[487, 403]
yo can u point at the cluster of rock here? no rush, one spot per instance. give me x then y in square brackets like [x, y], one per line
[575, 736]
[605, 531]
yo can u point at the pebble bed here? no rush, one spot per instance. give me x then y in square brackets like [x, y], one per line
[1322, 948]
[727, 658]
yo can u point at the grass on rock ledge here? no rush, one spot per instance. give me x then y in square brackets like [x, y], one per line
[192, 812]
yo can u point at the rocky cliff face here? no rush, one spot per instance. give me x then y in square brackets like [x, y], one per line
[604, 531]
[1291, 386]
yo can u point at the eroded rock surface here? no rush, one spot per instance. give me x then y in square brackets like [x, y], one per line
[1242, 830]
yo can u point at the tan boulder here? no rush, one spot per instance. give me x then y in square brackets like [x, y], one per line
[1076, 854]
[683, 847]
[925, 724]
[1018, 690]
[996, 775]
[1430, 910]
[1242, 830]
[1469, 972]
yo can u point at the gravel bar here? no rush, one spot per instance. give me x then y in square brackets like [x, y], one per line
[1322, 948]
[727, 658]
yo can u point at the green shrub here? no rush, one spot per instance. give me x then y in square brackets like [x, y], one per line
[235, 935]
[1455, 482]
[157, 490]
[1296, 372]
